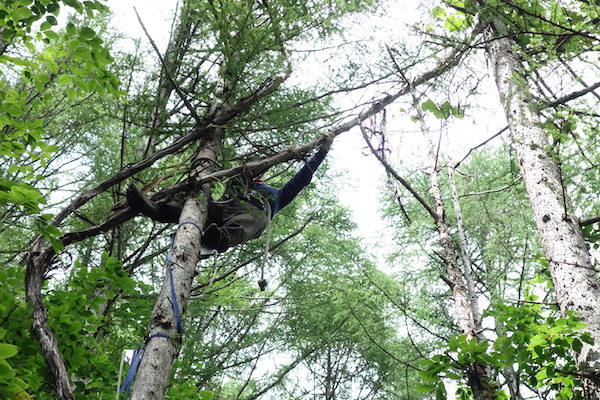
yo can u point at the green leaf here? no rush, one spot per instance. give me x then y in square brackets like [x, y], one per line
[429, 105]
[6, 371]
[45, 78]
[206, 395]
[438, 12]
[440, 392]
[536, 341]
[73, 44]
[45, 26]
[542, 374]
[51, 20]
[65, 79]
[21, 13]
[8, 350]
[87, 33]
[455, 23]
[51, 35]
[425, 388]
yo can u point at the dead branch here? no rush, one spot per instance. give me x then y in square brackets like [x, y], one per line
[574, 95]
[501, 131]
[396, 176]
[180, 92]
[589, 221]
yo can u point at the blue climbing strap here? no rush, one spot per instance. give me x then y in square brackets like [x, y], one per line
[176, 311]
[135, 363]
[139, 352]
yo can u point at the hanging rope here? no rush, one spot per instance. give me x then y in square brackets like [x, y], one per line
[262, 283]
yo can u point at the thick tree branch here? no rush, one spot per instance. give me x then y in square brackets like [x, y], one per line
[129, 171]
[34, 280]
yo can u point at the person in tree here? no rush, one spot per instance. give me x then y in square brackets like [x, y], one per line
[242, 216]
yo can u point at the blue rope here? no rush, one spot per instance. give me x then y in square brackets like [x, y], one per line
[191, 223]
[135, 363]
[137, 353]
[173, 294]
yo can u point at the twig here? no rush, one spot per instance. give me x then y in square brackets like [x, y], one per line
[501, 131]
[491, 190]
[533, 302]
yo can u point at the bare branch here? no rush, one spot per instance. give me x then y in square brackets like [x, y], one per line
[589, 221]
[574, 95]
[396, 176]
[501, 131]
[180, 92]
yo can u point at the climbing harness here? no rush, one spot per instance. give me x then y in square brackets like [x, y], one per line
[139, 352]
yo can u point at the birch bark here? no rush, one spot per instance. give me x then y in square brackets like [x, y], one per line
[465, 304]
[575, 279]
[464, 253]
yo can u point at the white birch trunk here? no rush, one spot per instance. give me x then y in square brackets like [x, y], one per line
[464, 253]
[478, 375]
[575, 280]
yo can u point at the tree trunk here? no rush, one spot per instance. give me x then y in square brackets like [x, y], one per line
[329, 392]
[36, 262]
[161, 347]
[467, 318]
[575, 280]
[468, 268]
